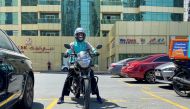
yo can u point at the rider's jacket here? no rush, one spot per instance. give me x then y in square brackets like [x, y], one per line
[79, 46]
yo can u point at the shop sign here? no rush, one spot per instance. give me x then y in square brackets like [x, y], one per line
[35, 49]
[154, 40]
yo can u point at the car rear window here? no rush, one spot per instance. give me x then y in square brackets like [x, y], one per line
[143, 58]
[4, 41]
[163, 59]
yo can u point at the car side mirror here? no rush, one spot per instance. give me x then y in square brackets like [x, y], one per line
[99, 47]
[67, 46]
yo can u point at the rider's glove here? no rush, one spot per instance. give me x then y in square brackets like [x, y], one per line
[66, 55]
[97, 54]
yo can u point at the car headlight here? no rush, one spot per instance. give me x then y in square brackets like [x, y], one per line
[169, 69]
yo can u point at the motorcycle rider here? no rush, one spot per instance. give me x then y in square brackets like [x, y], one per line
[79, 45]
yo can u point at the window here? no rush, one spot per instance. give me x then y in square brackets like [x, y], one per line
[48, 2]
[8, 18]
[49, 18]
[49, 33]
[163, 59]
[163, 3]
[105, 33]
[29, 32]
[29, 2]
[131, 3]
[161, 16]
[29, 18]
[111, 2]
[131, 17]
[12, 32]
[4, 41]
[110, 18]
[8, 2]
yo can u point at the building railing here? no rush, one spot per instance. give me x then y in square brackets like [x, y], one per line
[53, 2]
[43, 20]
[111, 3]
[109, 21]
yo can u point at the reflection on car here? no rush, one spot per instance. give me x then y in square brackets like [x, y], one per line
[16, 76]
[164, 72]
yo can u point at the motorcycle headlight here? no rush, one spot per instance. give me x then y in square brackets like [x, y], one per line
[84, 63]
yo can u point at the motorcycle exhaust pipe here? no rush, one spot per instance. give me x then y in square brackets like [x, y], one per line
[181, 80]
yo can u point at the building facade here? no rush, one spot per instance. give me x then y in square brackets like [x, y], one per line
[139, 10]
[31, 17]
[49, 17]
[80, 13]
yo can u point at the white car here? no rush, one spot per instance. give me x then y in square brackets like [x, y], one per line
[164, 72]
[64, 68]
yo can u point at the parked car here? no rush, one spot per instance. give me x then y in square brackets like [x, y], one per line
[164, 72]
[16, 76]
[64, 68]
[115, 68]
[143, 69]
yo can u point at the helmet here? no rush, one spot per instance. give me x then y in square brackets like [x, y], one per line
[80, 34]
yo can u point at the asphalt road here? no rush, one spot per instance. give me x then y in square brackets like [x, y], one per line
[117, 93]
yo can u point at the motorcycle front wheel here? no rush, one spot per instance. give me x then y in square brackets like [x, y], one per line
[86, 89]
[179, 88]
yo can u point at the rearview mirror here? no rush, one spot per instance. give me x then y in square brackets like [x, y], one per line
[67, 46]
[99, 47]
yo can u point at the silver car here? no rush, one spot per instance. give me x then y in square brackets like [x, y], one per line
[115, 68]
[164, 72]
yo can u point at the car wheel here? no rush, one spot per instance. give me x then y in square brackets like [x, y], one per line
[65, 69]
[28, 96]
[150, 77]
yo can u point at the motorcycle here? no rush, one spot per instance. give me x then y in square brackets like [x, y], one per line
[81, 82]
[181, 78]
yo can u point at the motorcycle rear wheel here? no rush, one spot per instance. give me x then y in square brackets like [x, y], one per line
[179, 88]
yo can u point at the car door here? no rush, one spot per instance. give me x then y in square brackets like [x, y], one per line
[3, 82]
[11, 68]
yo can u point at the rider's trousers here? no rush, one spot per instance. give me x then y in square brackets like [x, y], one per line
[68, 83]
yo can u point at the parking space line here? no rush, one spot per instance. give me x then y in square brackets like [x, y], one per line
[164, 99]
[52, 104]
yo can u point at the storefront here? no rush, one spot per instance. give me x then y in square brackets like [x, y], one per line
[142, 38]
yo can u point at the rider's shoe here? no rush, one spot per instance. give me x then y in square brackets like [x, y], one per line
[77, 96]
[99, 100]
[61, 100]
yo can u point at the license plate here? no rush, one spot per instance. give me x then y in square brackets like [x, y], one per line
[157, 74]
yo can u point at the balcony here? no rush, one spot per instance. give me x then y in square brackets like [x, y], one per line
[53, 2]
[42, 20]
[111, 3]
[109, 21]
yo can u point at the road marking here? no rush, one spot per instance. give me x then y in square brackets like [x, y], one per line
[52, 104]
[128, 84]
[164, 99]
[7, 100]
